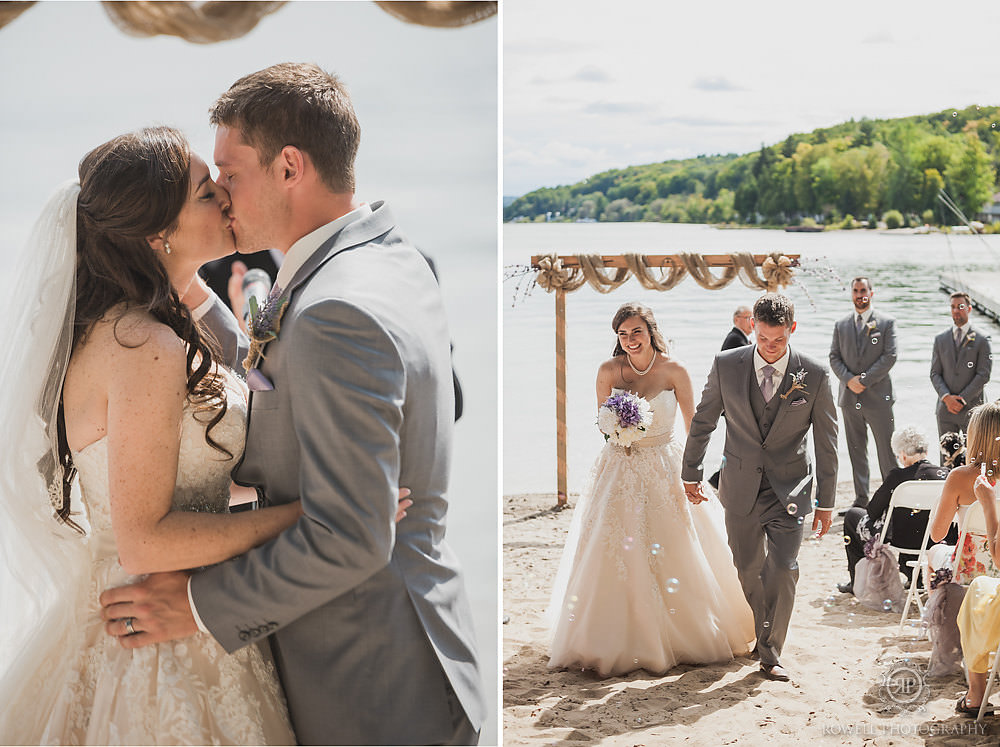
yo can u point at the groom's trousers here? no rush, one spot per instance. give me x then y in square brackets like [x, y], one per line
[765, 548]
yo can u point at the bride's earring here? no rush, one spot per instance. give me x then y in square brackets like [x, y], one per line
[166, 246]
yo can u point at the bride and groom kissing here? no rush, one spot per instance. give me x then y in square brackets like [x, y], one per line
[127, 412]
[647, 580]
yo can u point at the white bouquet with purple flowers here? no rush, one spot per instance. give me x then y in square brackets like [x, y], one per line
[624, 418]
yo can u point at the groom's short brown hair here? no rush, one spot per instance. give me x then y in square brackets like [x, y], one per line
[774, 309]
[295, 104]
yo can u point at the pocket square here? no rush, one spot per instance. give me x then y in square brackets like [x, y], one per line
[798, 402]
[258, 382]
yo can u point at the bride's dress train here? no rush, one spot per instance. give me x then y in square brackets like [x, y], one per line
[647, 580]
[84, 688]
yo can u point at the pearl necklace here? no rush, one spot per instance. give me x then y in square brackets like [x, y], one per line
[648, 368]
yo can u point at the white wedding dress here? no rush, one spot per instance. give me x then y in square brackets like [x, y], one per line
[647, 580]
[87, 689]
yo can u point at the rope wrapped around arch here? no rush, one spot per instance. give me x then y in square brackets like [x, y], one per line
[440, 13]
[553, 276]
[669, 276]
[222, 20]
[776, 272]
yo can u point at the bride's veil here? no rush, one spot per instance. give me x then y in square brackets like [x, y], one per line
[43, 562]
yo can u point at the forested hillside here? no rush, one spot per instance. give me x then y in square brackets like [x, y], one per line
[859, 170]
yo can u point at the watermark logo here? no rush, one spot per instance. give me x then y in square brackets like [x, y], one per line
[902, 686]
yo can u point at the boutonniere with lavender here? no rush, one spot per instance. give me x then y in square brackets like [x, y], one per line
[265, 323]
[872, 327]
[969, 339]
[798, 383]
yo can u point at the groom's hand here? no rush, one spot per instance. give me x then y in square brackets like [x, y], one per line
[694, 493]
[157, 608]
[822, 519]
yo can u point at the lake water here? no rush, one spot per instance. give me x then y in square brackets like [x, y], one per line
[904, 270]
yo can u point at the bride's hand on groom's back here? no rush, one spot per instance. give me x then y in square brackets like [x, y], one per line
[153, 610]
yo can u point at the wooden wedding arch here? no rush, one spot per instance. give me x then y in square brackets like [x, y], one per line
[221, 20]
[564, 274]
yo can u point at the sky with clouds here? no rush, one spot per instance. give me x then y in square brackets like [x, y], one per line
[589, 86]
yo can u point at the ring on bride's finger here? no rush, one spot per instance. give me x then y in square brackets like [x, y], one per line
[128, 625]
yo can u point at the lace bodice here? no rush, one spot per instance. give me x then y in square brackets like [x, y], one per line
[664, 407]
[203, 472]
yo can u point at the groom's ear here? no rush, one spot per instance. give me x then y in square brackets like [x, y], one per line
[292, 162]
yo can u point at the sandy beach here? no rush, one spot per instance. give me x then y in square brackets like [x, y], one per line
[837, 651]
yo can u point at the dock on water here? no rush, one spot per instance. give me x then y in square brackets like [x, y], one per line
[983, 289]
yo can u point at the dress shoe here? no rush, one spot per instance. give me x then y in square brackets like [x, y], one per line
[775, 672]
[847, 588]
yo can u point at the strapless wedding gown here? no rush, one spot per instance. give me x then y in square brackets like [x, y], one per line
[87, 689]
[646, 579]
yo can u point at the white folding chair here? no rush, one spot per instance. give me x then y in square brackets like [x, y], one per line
[916, 495]
[989, 686]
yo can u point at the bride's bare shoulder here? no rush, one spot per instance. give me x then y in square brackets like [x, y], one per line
[673, 366]
[132, 332]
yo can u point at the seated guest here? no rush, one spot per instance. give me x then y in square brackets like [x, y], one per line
[906, 527]
[979, 615]
[982, 451]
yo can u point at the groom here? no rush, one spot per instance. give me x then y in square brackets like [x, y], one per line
[771, 396]
[368, 621]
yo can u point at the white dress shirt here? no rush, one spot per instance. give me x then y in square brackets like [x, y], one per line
[201, 309]
[779, 368]
[295, 257]
[866, 315]
[961, 332]
[304, 248]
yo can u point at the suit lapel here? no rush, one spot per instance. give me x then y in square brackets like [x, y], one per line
[743, 379]
[354, 234]
[359, 232]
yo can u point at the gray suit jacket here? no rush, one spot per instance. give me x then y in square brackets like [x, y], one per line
[964, 372]
[782, 456]
[874, 358]
[233, 342]
[364, 613]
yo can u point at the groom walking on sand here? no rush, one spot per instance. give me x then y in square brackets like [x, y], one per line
[368, 621]
[770, 396]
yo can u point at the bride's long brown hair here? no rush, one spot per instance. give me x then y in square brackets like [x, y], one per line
[133, 187]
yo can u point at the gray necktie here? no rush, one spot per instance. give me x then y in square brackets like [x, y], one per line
[957, 336]
[767, 384]
[859, 324]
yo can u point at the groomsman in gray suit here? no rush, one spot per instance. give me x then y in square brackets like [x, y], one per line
[861, 355]
[770, 396]
[960, 367]
[351, 396]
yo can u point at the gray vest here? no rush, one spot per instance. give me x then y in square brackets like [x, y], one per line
[765, 412]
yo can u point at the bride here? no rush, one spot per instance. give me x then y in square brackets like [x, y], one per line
[644, 582]
[116, 389]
